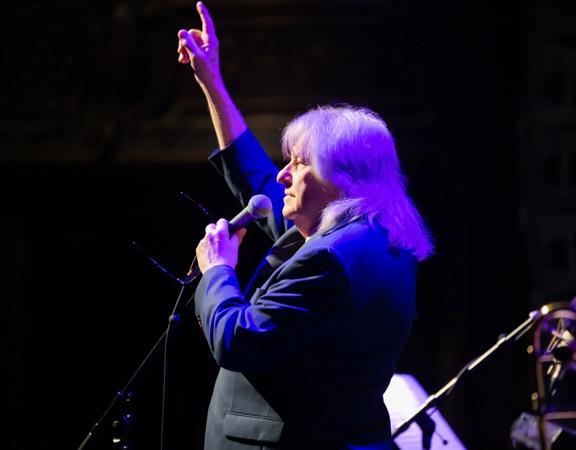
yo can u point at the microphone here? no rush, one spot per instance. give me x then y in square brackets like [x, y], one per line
[258, 207]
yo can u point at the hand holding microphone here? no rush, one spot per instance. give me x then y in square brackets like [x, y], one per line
[220, 244]
[218, 247]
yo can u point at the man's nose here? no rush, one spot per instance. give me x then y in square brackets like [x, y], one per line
[284, 176]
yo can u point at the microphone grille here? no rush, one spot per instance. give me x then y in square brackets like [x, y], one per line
[259, 206]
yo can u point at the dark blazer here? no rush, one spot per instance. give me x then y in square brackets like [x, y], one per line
[310, 347]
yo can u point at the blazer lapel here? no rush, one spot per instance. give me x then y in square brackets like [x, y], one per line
[280, 252]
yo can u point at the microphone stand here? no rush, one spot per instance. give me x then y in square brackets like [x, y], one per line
[421, 416]
[258, 207]
[126, 393]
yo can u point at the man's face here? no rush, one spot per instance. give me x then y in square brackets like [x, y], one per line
[305, 194]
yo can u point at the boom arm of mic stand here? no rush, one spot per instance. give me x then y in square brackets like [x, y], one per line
[437, 397]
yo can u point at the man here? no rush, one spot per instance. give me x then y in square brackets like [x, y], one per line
[308, 349]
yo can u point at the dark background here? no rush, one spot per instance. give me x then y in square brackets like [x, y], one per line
[101, 130]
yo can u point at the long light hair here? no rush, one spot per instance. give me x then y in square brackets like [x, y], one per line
[351, 148]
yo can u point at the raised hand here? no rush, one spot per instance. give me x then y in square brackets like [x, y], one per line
[200, 48]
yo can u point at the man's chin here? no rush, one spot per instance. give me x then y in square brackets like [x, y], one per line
[288, 213]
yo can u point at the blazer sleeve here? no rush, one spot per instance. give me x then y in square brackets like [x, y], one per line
[307, 300]
[248, 170]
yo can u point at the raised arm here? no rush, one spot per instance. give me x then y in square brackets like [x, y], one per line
[199, 48]
[245, 166]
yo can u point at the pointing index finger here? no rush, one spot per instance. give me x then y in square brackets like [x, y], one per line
[207, 23]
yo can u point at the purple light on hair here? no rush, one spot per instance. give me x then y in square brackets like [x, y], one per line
[351, 148]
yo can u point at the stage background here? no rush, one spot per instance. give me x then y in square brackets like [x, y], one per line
[101, 130]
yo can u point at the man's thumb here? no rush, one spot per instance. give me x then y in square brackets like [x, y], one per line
[240, 234]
